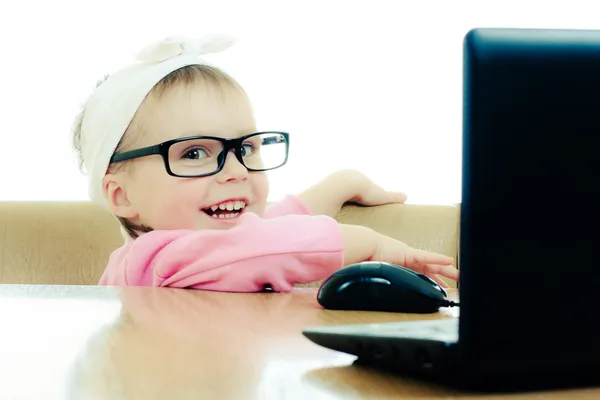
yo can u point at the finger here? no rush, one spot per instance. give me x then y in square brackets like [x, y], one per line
[427, 257]
[397, 197]
[378, 196]
[426, 262]
[444, 270]
[438, 280]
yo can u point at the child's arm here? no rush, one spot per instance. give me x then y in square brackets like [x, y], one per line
[278, 252]
[289, 205]
[257, 252]
[328, 196]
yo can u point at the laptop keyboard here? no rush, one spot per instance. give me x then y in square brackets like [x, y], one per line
[444, 330]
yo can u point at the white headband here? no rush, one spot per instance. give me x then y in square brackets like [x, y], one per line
[115, 102]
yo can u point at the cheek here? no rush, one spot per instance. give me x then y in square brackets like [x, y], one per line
[166, 202]
[260, 187]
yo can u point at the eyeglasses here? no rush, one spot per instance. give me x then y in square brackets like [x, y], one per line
[197, 156]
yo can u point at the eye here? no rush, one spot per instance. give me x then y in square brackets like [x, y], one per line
[247, 149]
[195, 154]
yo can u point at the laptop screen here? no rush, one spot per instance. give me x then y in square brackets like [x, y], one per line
[530, 213]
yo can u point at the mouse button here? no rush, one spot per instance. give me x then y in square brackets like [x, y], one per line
[391, 271]
[374, 289]
[377, 280]
[364, 287]
[347, 270]
[365, 282]
[414, 283]
[370, 268]
[433, 283]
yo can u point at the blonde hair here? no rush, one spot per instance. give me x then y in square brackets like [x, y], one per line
[183, 76]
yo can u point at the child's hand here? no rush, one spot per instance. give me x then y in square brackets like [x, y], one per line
[421, 261]
[366, 192]
[364, 244]
[328, 196]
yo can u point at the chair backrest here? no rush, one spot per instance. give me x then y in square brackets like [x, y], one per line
[429, 227]
[55, 242]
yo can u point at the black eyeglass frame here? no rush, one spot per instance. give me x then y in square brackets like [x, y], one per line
[162, 149]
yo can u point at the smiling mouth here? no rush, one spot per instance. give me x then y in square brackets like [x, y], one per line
[226, 210]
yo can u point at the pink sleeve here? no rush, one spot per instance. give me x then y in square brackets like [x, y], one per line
[288, 206]
[257, 252]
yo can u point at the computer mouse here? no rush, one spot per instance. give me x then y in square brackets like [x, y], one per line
[380, 286]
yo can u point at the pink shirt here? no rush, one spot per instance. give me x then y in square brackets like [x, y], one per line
[286, 246]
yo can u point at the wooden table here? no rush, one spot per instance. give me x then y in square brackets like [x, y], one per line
[64, 342]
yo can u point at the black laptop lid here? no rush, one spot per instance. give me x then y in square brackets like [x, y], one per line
[530, 228]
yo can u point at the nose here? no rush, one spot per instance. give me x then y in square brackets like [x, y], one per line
[232, 170]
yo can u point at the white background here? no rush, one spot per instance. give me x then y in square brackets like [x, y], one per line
[373, 85]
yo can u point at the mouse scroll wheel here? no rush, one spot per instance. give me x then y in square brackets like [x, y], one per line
[434, 283]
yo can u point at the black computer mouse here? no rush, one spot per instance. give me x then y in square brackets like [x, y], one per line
[380, 286]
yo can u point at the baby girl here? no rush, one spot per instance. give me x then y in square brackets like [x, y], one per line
[171, 148]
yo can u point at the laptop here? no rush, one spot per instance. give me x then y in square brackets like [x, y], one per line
[529, 250]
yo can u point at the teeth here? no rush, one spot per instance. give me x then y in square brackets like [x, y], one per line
[229, 206]
[235, 206]
[224, 216]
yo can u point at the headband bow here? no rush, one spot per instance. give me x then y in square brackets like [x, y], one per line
[175, 46]
[115, 102]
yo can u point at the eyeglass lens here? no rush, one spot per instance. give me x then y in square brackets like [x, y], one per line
[201, 156]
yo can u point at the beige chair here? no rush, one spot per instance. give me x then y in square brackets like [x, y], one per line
[68, 243]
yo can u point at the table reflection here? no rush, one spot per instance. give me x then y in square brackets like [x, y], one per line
[160, 343]
[177, 343]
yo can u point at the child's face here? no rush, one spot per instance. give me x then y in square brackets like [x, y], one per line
[152, 197]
